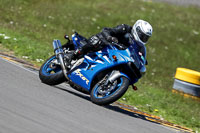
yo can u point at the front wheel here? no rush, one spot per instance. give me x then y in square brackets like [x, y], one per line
[51, 73]
[103, 95]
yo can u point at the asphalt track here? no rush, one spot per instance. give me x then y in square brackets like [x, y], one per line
[29, 106]
[182, 2]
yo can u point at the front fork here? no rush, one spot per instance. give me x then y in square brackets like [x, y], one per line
[60, 54]
[112, 77]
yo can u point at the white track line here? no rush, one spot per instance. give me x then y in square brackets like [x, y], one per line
[19, 65]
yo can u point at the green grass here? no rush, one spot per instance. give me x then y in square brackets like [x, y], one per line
[169, 106]
[33, 24]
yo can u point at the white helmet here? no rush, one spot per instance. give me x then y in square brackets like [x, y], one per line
[142, 31]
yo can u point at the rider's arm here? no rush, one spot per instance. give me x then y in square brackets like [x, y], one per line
[108, 33]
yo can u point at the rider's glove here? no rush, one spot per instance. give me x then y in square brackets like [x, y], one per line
[112, 39]
[119, 46]
[122, 46]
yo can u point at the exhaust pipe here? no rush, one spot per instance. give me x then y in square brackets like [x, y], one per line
[59, 54]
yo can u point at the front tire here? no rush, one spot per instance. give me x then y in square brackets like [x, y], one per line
[97, 97]
[51, 75]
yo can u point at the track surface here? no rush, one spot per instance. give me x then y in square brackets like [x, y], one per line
[182, 2]
[28, 106]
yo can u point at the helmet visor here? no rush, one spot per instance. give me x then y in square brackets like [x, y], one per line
[143, 37]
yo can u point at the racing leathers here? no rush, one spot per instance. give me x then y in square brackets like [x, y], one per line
[118, 35]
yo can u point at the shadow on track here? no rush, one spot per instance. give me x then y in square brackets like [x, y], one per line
[110, 107]
[79, 94]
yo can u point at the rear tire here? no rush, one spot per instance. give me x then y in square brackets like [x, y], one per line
[46, 75]
[120, 89]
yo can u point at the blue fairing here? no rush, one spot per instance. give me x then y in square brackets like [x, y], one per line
[96, 62]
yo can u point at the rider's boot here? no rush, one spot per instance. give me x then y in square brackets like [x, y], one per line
[85, 48]
[73, 56]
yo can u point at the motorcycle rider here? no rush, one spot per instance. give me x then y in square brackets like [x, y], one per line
[141, 31]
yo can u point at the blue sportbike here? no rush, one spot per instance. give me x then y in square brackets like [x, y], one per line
[105, 74]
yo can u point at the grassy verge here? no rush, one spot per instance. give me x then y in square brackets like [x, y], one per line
[28, 28]
[168, 106]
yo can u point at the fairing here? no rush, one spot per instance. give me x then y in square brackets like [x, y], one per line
[95, 63]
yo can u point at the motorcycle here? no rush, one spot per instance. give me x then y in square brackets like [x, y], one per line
[105, 74]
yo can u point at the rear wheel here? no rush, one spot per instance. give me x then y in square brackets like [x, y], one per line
[51, 73]
[103, 95]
